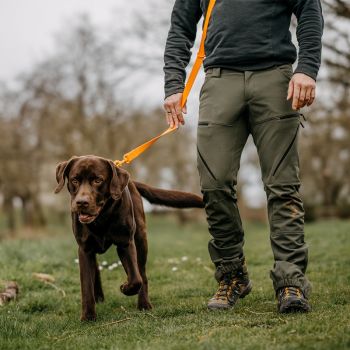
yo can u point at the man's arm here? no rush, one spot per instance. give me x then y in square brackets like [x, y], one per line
[181, 37]
[309, 35]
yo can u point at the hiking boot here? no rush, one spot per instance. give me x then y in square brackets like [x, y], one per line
[292, 299]
[231, 288]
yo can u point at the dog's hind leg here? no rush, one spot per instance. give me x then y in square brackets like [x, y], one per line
[142, 249]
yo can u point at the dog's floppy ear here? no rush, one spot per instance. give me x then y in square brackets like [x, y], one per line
[61, 173]
[120, 179]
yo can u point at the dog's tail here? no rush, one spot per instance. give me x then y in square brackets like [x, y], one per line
[175, 199]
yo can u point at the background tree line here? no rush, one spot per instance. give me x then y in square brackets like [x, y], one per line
[76, 102]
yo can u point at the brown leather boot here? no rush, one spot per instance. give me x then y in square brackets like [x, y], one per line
[292, 299]
[231, 288]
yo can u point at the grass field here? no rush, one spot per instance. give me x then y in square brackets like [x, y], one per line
[181, 282]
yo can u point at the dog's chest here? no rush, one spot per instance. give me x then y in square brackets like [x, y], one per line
[95, 243]
[100, 240]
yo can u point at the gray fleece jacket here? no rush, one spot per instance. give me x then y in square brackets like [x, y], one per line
[244, 35]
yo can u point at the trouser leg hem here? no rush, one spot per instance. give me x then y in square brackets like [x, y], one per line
[231, 266]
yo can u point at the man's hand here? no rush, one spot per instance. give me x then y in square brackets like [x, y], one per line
[173, 110]
[302, 90]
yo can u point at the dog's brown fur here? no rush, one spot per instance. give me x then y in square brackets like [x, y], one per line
[107, 209]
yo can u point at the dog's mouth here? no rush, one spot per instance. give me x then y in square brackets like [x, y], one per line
[88, 218]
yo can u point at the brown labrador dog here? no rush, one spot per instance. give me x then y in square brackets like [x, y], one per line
[107, 209]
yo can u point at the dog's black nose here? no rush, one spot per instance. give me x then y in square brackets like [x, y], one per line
[82, 203]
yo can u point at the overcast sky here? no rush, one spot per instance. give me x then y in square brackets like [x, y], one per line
[27, 28]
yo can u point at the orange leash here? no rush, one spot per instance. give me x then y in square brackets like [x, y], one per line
[130, 156]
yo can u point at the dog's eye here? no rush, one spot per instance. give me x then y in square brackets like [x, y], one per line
[75, 181]
[98, 180]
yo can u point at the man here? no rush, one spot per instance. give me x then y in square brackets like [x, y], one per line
[250, 88]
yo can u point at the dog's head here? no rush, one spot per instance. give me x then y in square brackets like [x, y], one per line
[91, 181]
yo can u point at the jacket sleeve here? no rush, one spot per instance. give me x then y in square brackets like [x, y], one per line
[309, 35]
[181, 37]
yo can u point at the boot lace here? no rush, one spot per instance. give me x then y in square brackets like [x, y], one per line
[227, 285]
[287, 292]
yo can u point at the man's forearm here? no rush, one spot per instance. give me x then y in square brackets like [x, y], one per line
[309, 35]
[182, 34]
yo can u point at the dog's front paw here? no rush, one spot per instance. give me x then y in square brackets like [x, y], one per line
[88, 317]
[130, 289]
[100, 298]
[144, 305]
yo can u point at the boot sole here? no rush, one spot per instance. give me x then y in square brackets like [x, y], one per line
[245, 292]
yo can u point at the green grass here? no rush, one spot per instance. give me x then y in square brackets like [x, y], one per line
[42, 319]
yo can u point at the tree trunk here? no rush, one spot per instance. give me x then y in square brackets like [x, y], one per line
[10, 213]
[32, 214]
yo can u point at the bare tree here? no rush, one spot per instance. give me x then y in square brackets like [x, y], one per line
[326, 140]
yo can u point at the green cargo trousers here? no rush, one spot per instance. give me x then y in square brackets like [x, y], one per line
[233, 105]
